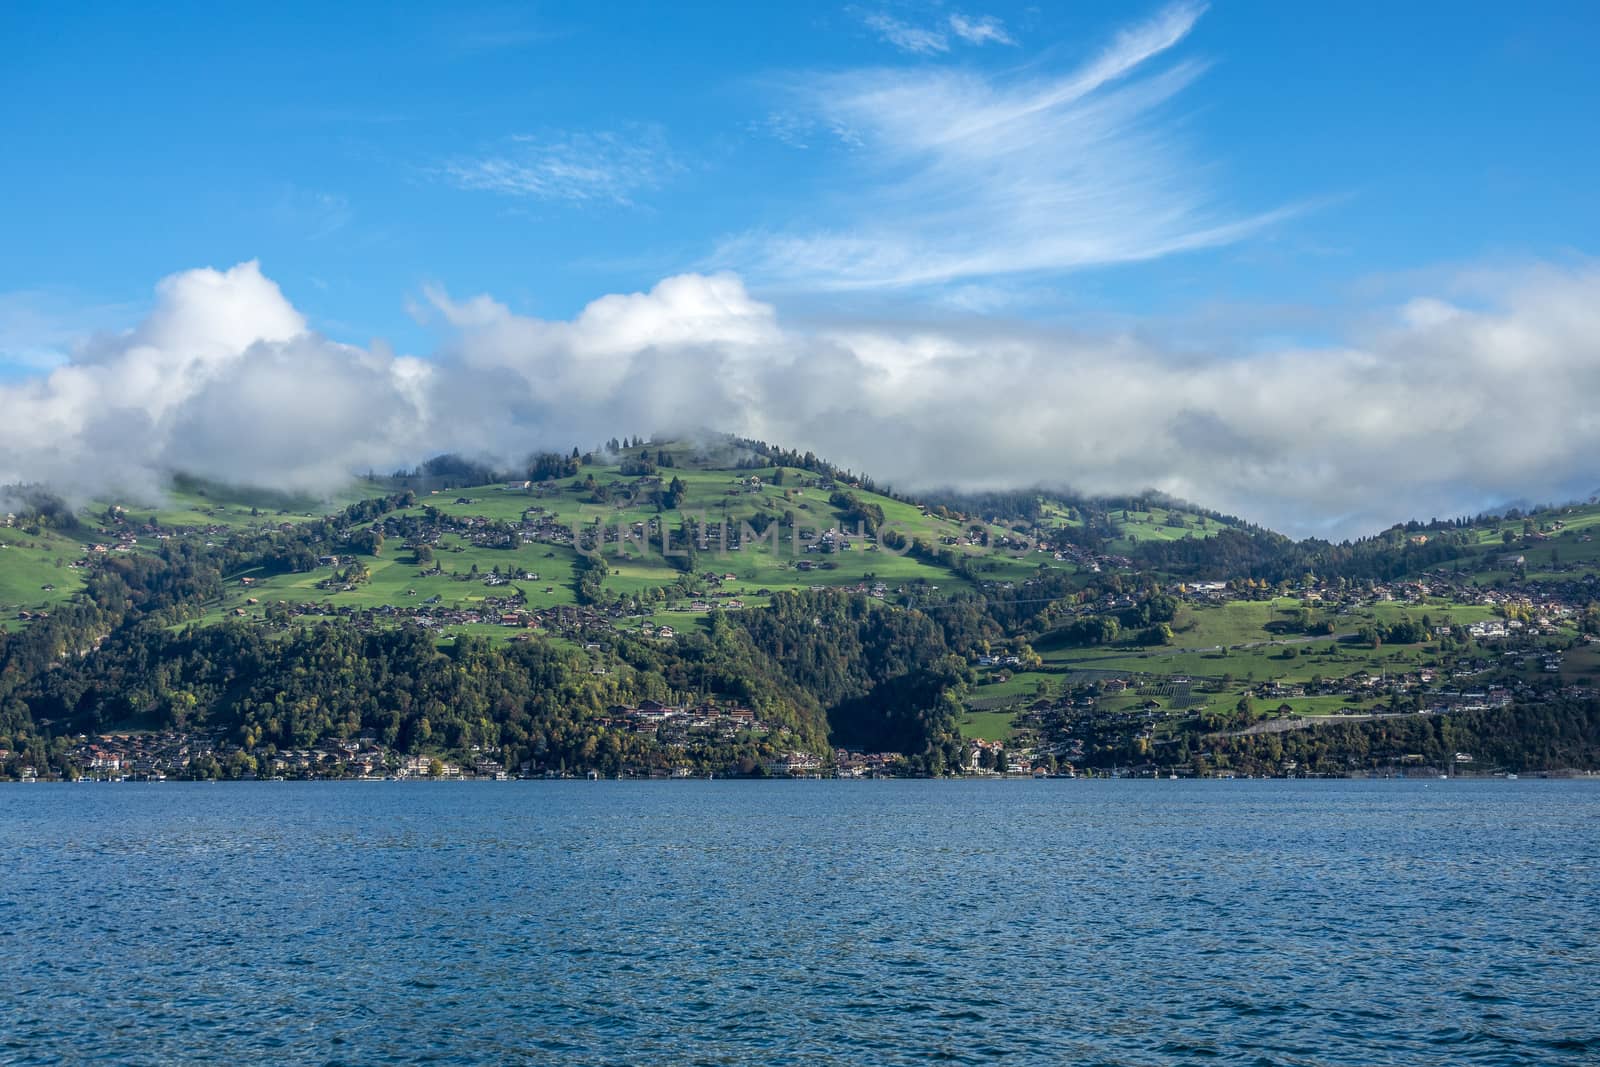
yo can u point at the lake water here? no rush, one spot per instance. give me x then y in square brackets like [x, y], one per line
[806, 922]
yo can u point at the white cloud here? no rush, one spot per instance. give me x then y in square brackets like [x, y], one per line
[605, 167]
[936, 38]
[672, 359]
[968, 176]
[311, 214]
[39, 326]
[221, 378]
[981, 29]
[1446, 406]
[919, 40]
[793, 130]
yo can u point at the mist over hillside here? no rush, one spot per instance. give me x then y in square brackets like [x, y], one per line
[225, 378]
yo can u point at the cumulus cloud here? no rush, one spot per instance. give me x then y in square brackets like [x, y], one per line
[1444, 407]
[221, 378]
[1443, 410]
[971, 175]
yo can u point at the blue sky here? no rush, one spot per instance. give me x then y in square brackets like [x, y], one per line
[1224, 181]
[315, 137]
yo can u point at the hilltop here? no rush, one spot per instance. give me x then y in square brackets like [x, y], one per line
[755, 520]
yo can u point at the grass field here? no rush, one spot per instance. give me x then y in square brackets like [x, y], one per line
[1159, 524]
[397, 579]
[1581, 666]
[987, 725]
[714, 495]
[1208, 630]
[1229, 648]
[749, 574]
[35, 572]
[191, 503]
[729, 497]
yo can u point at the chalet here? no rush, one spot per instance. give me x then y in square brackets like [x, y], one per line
[794, 763]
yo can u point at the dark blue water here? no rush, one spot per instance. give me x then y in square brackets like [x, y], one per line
[808, 922]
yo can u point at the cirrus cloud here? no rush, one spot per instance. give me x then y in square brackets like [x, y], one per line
[587, 167]
[967, 175]
[936, 37]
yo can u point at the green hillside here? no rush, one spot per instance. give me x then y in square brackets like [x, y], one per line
[36, 572]
[466, 564]
[196, 504]
[1136, 631]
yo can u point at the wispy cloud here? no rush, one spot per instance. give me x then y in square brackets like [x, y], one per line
[982, 29]
[490, 31]
[42, 328]
[936, 37]
[796, 131]
[311, 213]
[921, 40]
[574, 167]
[966, 176]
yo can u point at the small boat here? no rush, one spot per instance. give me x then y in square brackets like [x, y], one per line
[1511, 777]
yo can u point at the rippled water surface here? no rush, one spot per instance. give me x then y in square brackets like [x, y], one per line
[805, 922]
